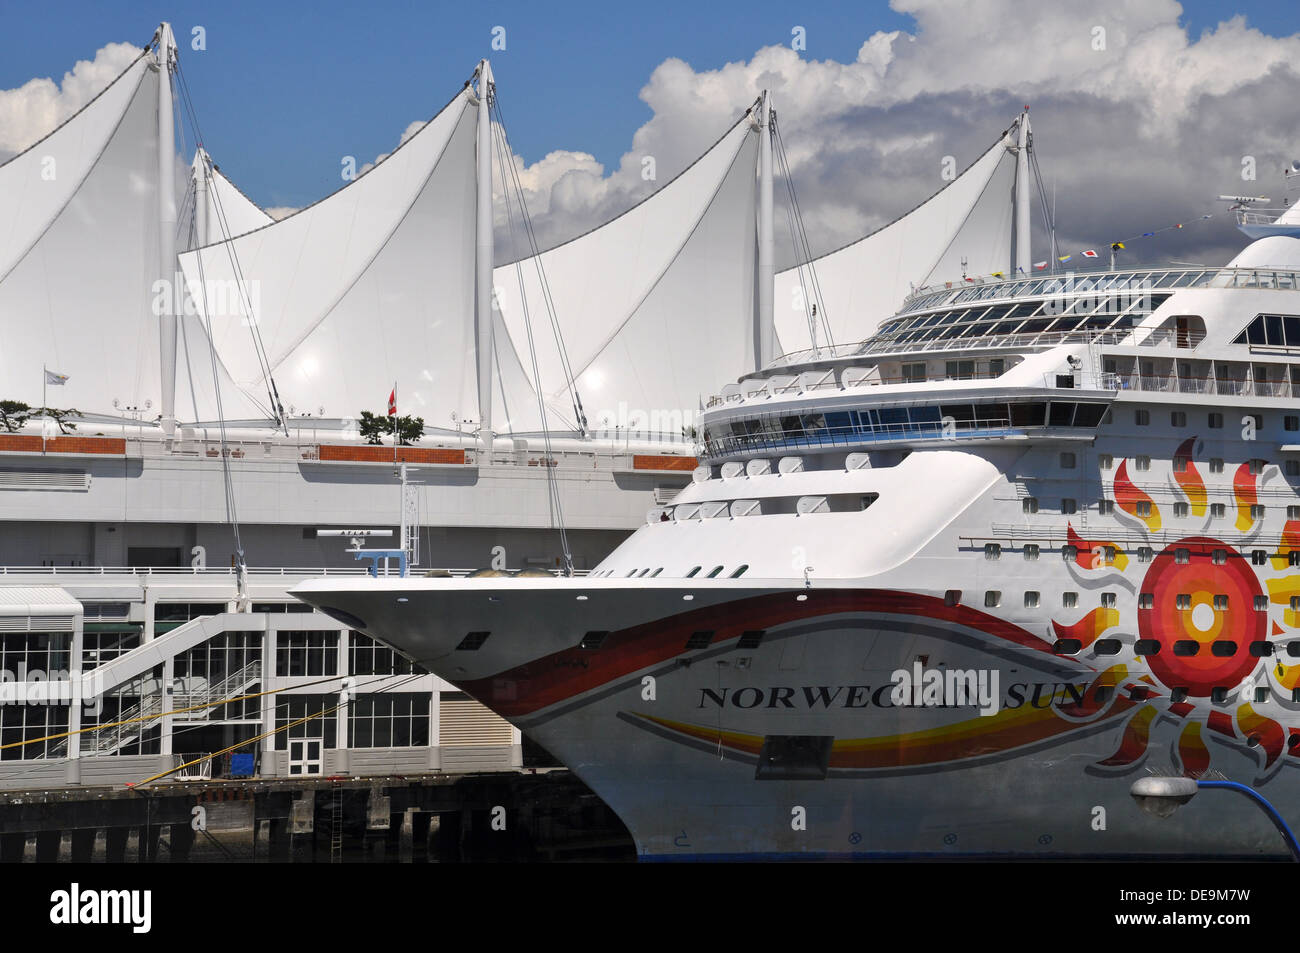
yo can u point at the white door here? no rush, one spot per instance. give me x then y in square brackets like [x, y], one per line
[305, 756]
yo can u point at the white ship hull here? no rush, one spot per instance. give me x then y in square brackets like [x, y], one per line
[682, 758]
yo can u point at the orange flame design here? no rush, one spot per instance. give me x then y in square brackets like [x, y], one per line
[1290, 542]
[1091, 554]
[1269, 733]
[1243, 488]
[1189, 478]
[1133, 745]
[1128, 496]
[1087, 629]
[1192, 753]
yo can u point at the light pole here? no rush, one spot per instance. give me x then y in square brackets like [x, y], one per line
[1160, 797]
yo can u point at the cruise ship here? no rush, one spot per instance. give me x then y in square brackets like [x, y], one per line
[945, 592]
[216, 461]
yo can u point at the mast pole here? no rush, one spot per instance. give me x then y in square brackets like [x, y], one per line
[483, 256]
[764, 325]
[201, 198]
[166, 61]
[1021, 263]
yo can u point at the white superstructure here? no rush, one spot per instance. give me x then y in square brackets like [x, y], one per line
[947, 591]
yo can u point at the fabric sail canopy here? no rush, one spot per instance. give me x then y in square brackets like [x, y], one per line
[865, 282]
[655, 306]
[372, 285]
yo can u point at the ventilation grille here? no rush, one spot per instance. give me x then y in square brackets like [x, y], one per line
[37, 623]
[78, 480]
[465, 723]
[666, 494]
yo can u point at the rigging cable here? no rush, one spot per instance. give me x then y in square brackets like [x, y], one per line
[264, 363]
[804, 247]
[535, 253]
[552, 483]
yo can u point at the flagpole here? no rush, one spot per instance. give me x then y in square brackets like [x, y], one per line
[395, 427]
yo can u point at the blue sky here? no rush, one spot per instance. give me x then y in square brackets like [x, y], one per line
[284, 90]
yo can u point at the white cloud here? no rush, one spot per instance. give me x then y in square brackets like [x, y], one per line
[40, 105]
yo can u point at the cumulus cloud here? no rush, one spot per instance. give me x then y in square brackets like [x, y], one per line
[32, 110]
[1137, 125]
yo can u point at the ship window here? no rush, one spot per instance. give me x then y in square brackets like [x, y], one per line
[1217, 511]
[1291, 422]
[992, 599]
[472, 642]
[1181, 509]
[1293, 649]
[699, 640]
[714, 572]
[1261, 603]
[1105, 507]
[952, 597]
[1142, 417]
[1180, 464]
[1031, 551]
[1261, 649]
[1146, 647]
[1256, 467]
[1178, 418]
[1089, 415]
[1067, 646]
[1257, 511]
[1146, 600]
[1142, 462]
[1292, 467]
[1293, 558]
[1259, 557]
[1182, 556]
[1069, 553]
[1177, 695]
[1029, 504]
[1069, 600]
[751, 640]
[1221, 603]
[739, 572]
[1108, 600]
[1295, 603]
[1183, 601]
[992, 551]
[794, 758]
[1060, 414]
[657, 572]
[1186, 647]
[1031, 599]
[1145, 554]
[1028, 414]
[1216, 464]
[1215, 420]
[693, 572]
[1107, 646]
[1069, 506]
[1219, 557]
[1142, 508]
[1219, 696]
[1103, 694]
[593, 640]
[1105, 461]
[1261, 696]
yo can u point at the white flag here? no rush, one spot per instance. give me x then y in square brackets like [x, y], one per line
[53, 378]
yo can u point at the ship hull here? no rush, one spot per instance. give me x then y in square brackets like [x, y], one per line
[828, 738]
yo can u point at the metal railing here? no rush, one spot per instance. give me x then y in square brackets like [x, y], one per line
[778, 439]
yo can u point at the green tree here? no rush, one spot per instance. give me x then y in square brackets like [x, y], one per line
[14, 414]
[374, 428]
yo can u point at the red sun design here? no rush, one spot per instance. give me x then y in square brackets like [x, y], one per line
[1199, 580]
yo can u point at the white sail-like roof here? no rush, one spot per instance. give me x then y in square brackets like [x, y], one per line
[656, 306]
[79, 252]
[866, 281]
[370, 286]
[229, 211]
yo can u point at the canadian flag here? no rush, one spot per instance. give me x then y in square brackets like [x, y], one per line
[392, 403]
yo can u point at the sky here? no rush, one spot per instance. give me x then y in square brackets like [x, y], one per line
[1137, 126]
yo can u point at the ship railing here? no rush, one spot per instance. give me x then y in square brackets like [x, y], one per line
[776, 439]
[1174, 383]
[1088, 282]
[222, 571]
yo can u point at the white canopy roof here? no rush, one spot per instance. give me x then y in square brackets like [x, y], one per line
[655, 306]
[866, 281]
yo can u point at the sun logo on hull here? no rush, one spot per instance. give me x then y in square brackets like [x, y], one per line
[1204, 650]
